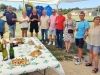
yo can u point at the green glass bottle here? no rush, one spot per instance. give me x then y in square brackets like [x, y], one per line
[5, 53]
[1, 47]
[11, 51]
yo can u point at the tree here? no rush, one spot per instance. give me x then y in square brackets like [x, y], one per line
[64, 11]
[20, 8]
[14, 9]
[3, 7]
[98, 8]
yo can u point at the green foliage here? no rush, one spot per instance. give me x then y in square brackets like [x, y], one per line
[19, 8]
[65, 11]
[4, 7]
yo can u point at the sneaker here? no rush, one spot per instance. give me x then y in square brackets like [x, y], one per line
[66, 51]
[60, 48]
[76, 57]
[77, 62]
[53, 43]
[46, 41]
[49, 43]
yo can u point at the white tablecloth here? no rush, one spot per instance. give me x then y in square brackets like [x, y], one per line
[44, 61]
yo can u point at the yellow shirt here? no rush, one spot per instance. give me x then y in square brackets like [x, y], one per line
[94, 36]
[44, 22]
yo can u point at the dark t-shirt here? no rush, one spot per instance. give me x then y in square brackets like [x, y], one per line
[34, 23]
[9, 17]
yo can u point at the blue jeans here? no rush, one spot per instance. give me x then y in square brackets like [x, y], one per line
[44, 31]
[12, 29]
[59, 34]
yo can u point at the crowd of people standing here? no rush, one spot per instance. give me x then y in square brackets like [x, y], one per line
[58, 27]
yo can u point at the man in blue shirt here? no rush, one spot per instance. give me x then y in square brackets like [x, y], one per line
[11, 20]
[2, 27]
[83, 26]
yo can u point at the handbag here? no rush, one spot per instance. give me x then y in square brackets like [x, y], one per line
[69, 30]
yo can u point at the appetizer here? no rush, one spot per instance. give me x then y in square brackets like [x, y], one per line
[19, 40]
[36, 53]
[39, 47]
[30, 42]
[19, 62]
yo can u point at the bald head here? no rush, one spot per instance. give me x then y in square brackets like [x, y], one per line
[44, 12]
[34, 11]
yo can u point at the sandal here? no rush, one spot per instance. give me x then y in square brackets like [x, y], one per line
[88, 64]
[67, 51]
[95, 70]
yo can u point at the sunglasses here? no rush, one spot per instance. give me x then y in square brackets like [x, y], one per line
[59, 11]
[53, 12]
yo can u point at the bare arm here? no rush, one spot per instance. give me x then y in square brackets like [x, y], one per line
[30, 17]
[1, 16]
[86, 33]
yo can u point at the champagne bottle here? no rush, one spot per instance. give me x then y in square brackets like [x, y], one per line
[11, 51]
[2, 40]
[1, 47]
[5, 53]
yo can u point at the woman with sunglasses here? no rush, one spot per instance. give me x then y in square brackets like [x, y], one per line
[93, 43]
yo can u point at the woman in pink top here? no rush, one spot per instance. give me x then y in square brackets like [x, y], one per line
[52, 28]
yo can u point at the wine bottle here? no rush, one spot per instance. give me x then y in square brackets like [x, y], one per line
[1, 47]
[2, 40]
[5, 53]
[11, 51]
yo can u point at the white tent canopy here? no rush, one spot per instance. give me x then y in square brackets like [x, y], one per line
[44, 1]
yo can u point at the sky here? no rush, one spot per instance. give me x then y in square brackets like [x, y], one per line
[83, 4]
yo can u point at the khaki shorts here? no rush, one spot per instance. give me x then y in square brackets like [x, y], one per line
[52, 32]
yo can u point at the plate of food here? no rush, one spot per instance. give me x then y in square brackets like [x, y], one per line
[35, 53]
[20, 61]
[19, 40]
[30, 42]
[39, 47]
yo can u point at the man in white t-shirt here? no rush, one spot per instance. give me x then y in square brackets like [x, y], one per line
[44, 23]
[52, 28]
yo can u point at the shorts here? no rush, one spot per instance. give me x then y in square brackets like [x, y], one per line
[52, 32]
[1, 33]
[79, 42]
[24, 28]
[36, 29]
[93, 48]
